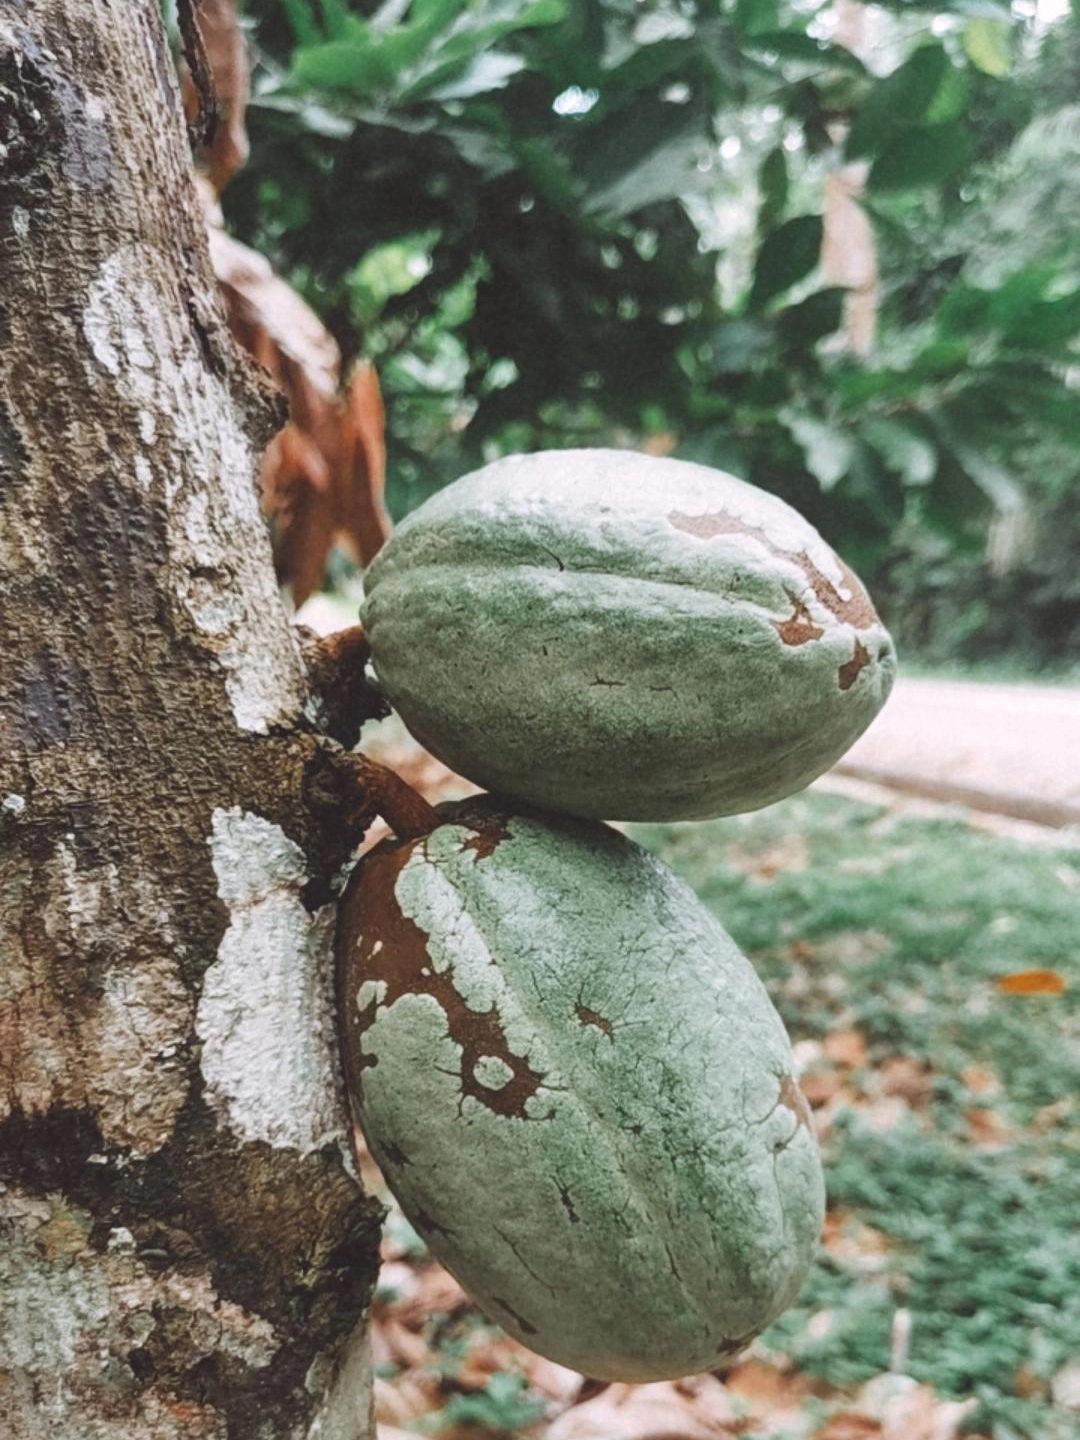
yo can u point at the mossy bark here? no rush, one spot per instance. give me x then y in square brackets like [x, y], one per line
[183, 1247]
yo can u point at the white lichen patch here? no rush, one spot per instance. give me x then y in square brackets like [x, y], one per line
[13, 804]
[138, 339]
[265, 1015]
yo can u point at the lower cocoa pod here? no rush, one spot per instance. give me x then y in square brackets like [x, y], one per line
[577, 1089]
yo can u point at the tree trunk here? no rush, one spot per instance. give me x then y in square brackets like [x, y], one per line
[184, 1247]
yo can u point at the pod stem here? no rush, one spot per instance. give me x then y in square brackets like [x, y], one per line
[335, 666]
[404, 809]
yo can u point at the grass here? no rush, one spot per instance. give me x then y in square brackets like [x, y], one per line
[952, 1157]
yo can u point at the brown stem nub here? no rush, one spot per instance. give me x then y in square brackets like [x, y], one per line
[348, 790]
[335, 665]
[404, 809]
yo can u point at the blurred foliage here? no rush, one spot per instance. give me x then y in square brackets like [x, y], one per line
[600, 222]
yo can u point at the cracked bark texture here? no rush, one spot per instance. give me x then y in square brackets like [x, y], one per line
[184, 1249]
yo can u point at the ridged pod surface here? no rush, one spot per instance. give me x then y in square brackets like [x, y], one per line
[578, 1090]
[616, 635]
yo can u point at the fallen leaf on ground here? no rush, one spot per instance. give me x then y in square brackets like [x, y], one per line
[906, 1077]
[646, 1412]
[846, 1047]
[400, 1402]
[980, 1080]
[403, 1346]
[1048, 1116]
[854, 1244]
[1031, 982]
[987, 1127]
[910, 1411]
[821, 1086]
[787, 855]
[765, 1388]
[848, 1425]
[1065, 1386]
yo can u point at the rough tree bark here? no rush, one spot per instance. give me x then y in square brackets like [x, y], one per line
[184, 1249]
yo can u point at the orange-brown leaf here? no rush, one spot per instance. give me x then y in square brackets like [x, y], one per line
[361, 516]
[226, 57]
[1031, 982]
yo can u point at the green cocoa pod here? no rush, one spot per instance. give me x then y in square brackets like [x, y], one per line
[615, 635]
[578, 1090]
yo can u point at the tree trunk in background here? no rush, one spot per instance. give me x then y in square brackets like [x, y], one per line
[848, 253]
[184, 1250]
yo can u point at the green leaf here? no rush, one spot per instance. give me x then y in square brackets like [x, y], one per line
[828, 453]
[305, 31]
[809, 321]
[964, 310]
[489, 71]
[547, 171]
[643, 154]
[355, 66]
[951, 96]
[337, 22]
[925, 155]
[798, 45]
[789, 253]
[901, 99]
[986, 44]
[1047, 325]
[739, 345]
[940, 357]
[903, 449]
[755, 16]
[773, 187]
[386, 271]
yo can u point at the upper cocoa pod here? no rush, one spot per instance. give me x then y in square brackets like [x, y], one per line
[619, 636]
[578, 1090]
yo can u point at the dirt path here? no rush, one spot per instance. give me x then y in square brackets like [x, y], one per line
[1011, 749]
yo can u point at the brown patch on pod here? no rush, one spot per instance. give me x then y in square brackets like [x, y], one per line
[800, 628]
[377, 943]
[851, 669]
[855, 609]
[590, 1017]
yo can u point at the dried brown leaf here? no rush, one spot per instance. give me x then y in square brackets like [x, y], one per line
[227, 59]
[361, 515]
[1031, 982]
[906, 1077]
[322, 477]
[987, 1127]
[659, 1411]
[766, 1389]
[848, 1425]
[846, 1047]
[910, 1411]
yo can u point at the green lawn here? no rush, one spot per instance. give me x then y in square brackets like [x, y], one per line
[947, 1105]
